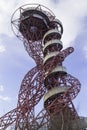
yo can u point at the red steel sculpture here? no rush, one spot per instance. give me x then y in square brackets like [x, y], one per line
[41, 33]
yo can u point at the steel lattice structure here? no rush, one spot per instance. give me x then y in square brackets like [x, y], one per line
[41, 33]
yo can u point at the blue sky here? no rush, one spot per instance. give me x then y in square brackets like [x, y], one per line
[15, 62]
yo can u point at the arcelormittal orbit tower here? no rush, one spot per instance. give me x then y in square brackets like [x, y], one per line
[41, 34]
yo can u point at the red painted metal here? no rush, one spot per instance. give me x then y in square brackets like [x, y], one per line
[31, 25]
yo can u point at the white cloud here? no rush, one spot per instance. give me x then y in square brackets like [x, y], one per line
[1, 88]
[85, 51]
[5, 98]
[2, 48]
